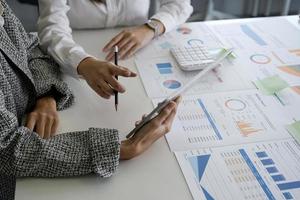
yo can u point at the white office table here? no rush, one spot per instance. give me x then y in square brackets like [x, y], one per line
[153, 175]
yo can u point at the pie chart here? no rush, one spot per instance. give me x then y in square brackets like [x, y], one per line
[260, 59]
[235, 104]
[172, 84]
[195, 42]
[184, 30]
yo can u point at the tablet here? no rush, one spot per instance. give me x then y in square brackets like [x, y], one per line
[181, 91]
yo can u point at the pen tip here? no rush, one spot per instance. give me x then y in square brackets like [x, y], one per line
[116, 107]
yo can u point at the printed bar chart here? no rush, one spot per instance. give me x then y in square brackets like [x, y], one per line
[246, 172]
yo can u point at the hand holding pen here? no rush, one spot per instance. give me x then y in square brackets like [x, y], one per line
[100, 75]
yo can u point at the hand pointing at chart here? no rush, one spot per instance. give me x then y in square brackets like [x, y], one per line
[100, 75]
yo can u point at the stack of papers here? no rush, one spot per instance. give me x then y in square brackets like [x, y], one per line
[237, 131]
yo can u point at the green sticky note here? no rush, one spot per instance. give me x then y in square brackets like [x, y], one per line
[271, 85]
[294, 130]
[218, 51]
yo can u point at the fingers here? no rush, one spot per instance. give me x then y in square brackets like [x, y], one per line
[124, 53]
[123, 43]
[99, 91]
[31, 120]
[123, 71]
[48, 127]
[106, 88]
[54, 126]
[113, 42]
[101, 77]
[124, 46]
[138, 122]
[131, 51]
[44, 125]
[178, 99]
[163, 115]
[115, 84]
[40, 127]
[168, 122]
[144, 116]
[128, 41]
[110, 56]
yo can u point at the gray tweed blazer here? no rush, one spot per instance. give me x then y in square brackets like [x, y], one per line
[25, 75]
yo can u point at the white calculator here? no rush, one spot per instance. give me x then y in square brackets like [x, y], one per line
[192, 58]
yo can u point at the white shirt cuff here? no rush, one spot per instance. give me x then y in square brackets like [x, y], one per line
[75, 58]
[166, 20]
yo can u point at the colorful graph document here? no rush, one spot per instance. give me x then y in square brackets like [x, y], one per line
[294, 130]
[254, 35]
[191, 34]
[269, 170]
[227, 118]
[236, 132]
[161, 76]
[261, 63]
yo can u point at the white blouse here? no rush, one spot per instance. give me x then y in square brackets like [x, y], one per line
[58, 17]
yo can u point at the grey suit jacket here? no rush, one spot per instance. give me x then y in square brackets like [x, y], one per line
[25, 75]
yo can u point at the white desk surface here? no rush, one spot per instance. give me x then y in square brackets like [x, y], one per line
[153, 175]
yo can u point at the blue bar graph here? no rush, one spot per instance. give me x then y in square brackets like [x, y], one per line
[289, 186]
[261, 154]
[254, 36]
[257, 175]
[287, 195]
[279, 177]
[164, 68]
[210, 120]
[267, 162]
[272, 170]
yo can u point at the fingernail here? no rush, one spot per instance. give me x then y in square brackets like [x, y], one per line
[122, 90]
[173, 105]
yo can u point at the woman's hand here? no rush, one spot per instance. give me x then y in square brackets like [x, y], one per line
[151, 132]
[129, 41]
[101, 76]
[44, 118]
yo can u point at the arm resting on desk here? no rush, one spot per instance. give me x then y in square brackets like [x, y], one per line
[46, 75]
[24, 154]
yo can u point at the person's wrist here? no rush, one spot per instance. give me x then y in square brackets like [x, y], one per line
[156, 25]
[82, 65]
[149, 31]
[128, 150]
[50, 102]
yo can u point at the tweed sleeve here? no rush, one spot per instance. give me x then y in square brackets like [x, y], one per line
[46, 75]
[7, 187]
[23, 153]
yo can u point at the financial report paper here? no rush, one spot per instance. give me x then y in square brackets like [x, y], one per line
[227, 118]
[256, 171]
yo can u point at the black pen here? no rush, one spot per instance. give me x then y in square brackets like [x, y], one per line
[116, 92]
